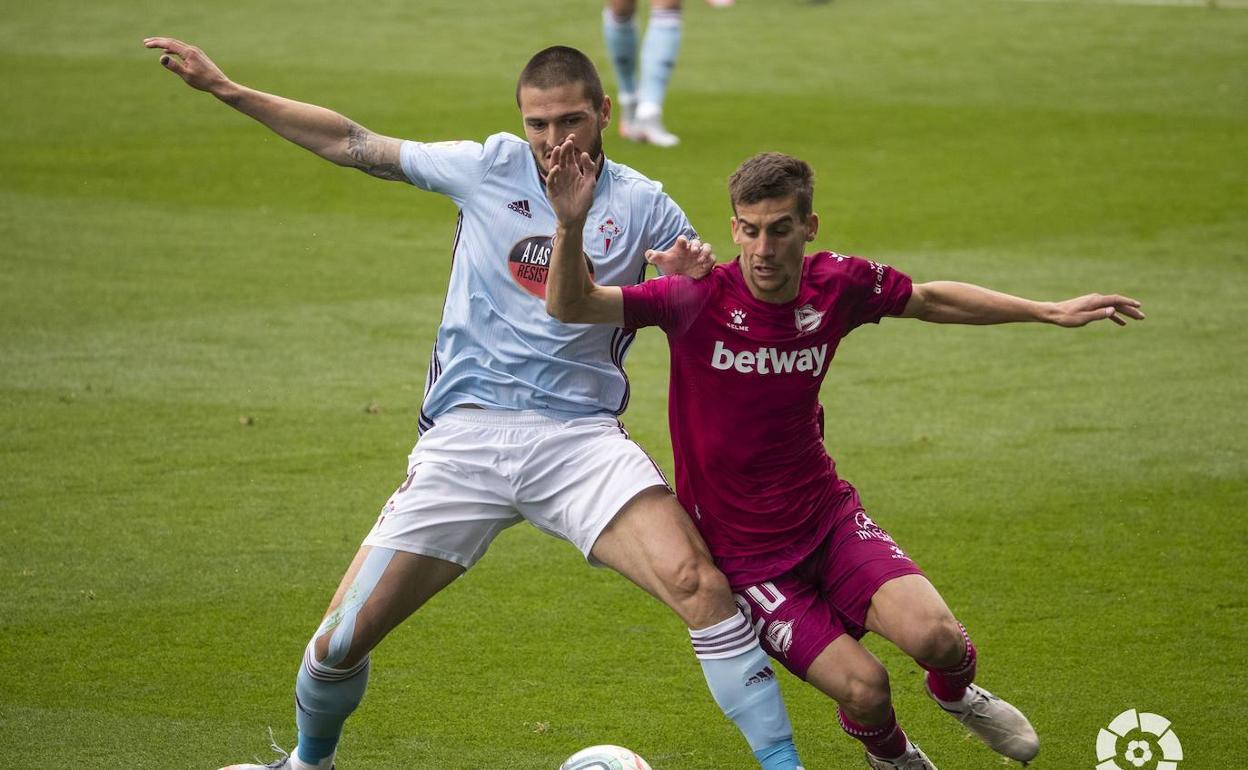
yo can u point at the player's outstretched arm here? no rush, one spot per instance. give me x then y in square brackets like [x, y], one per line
[571, 294]
[964, 303]
[324, 132]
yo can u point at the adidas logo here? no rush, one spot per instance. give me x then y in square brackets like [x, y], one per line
[521, 207]
[761, 676]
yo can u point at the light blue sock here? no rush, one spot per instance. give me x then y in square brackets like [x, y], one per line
[324, 698]
[658, 55]
[620, 36]
[743, 683]
[782, 756]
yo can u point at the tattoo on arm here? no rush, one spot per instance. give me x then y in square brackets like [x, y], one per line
[365, 152]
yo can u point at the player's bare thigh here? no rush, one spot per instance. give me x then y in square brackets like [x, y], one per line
[909, 612]
[653, 543]
[408, 581]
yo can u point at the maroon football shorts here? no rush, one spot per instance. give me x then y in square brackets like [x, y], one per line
[798, 613]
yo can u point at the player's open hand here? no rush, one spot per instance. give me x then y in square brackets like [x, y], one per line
[1082, 311]
[570, 182]
[686, 257]
[189, 63]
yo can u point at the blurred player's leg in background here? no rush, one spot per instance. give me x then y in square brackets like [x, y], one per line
[658, 59]
[909, 612]
[641, 103]
[619, 31]
[653, 543]
[849, 674]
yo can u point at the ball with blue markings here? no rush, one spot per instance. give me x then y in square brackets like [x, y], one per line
[605, 758]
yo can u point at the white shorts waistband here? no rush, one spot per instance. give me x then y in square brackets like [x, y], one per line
[515, 417]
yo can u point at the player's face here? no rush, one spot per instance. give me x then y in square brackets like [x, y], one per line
[550, 114]
[773, 237]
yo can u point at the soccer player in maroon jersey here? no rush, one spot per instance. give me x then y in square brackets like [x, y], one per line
[750, 346]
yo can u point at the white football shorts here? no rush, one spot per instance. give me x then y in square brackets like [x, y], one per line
[478, 471]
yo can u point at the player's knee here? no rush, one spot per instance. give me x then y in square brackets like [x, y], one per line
[327, 653]
[343, 646]
[940, 642]
[696, 585]
[623, 9]
[338, 656]
[683, 578]
[868, 695]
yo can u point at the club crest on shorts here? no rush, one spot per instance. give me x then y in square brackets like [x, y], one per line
[780, 636]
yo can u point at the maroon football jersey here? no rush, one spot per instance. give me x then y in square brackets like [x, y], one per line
[743, 403]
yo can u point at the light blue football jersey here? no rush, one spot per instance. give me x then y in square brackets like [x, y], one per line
[496, 345]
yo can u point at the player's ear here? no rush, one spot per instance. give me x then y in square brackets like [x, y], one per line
[605, 113]
[812, 226]
[736, 230]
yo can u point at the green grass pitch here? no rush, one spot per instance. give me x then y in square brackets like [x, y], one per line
[170, 271]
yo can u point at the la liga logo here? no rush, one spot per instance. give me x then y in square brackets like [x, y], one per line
[1138, 741]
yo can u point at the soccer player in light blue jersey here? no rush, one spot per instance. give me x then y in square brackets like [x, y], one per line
[520, 416]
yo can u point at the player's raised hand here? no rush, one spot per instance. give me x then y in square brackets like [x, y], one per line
[189, 63]
[570, 182]
[686, 257]
[1082, 311]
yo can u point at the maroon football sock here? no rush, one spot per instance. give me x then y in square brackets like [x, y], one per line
[886, 741]
[949, 684]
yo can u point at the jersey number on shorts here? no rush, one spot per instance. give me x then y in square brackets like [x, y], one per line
[767, 597]
[408, 482]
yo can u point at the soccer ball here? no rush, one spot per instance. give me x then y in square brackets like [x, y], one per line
[605, 758]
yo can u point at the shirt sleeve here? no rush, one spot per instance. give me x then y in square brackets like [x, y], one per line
[876, 289]
[670, 302]
[453, 169]
[670, 223]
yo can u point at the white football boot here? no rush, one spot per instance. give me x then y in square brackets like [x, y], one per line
[995, 722]
[913, 759]
[285, 762]
[647, 127]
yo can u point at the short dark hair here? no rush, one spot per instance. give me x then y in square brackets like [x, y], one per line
[560, 65]
[770, 175]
